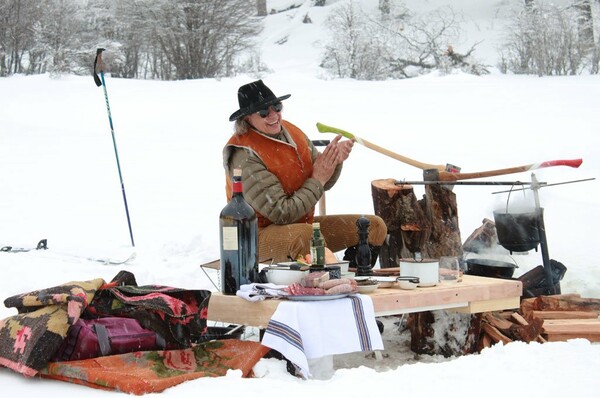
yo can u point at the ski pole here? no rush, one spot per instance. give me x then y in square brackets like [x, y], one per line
[98, 66]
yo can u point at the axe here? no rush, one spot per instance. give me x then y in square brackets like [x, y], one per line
[441, 169]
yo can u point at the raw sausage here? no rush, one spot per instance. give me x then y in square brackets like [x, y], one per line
[339, 289]
[334, 282]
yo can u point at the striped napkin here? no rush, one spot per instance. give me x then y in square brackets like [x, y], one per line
[303, 330]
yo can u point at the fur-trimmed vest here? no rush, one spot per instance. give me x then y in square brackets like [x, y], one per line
[290, 163]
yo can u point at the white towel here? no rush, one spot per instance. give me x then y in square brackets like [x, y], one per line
[261, 291]
[302, 330]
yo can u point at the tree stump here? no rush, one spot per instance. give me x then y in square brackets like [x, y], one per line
[428, 226]
[404, 217]
[458, 336]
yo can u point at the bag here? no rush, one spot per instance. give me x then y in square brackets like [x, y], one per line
[178, 315]
[91, 338]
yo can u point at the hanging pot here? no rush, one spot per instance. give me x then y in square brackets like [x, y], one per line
[490, 268]
[518, 232]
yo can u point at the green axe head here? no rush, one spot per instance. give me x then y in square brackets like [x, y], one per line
[328, 129]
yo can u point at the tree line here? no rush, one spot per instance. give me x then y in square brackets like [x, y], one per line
[147, 39]
[540, 38]
[177, 39]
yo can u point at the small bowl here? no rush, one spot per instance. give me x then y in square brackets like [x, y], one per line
[284, 276]
[364, 288]
[408, 282]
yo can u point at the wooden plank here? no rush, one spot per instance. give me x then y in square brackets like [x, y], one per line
[564, 329]
[494, 294]
[233, 309]
[476, 307]
[557, 322]
[565, 314]
[594, 338]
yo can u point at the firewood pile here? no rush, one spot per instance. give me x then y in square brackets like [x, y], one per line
[543, 319]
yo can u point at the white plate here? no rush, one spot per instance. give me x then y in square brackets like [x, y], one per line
[321, 297]
[384, 281]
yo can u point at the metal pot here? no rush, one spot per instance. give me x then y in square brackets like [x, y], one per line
[518, 232]
[427, 270]
[490, 268]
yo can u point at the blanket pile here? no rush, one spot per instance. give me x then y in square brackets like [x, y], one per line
[154, 371]
[30, 340]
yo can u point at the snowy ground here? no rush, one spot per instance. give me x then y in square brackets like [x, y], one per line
[59, 181]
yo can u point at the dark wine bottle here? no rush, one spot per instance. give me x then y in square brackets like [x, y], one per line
[239, 240]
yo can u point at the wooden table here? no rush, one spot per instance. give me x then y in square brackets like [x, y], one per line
[474, 294]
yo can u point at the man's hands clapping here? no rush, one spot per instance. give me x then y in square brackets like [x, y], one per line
[335, 153]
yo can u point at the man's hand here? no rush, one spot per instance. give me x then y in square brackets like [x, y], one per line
[335, 153]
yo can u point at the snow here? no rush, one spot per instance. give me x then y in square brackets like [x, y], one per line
[59, 181]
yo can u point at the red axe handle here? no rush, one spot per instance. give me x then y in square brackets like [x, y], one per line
[445, 176]
[564, 162]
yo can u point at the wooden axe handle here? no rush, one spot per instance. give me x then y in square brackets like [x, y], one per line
[423, 166]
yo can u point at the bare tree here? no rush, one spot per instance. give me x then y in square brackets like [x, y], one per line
[354, 51]
[395, 45]
[585, 22]
[261, 8]
[545, 40]
[17, 18]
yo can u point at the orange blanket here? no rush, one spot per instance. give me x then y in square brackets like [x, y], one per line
[154, 371]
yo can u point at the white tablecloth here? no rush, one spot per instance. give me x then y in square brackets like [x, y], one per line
[302, 330]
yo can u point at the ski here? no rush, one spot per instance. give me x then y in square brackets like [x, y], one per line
[113, 261]
[43, 245]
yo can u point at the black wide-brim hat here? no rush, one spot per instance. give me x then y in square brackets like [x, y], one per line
[253, 97]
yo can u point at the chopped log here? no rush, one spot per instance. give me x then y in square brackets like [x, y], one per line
[497, 322]
[527, 330]
[533, 304]
[482, 238]
[519, 319]
[540, 339]
[566, 302]
[522, 321]
[494, 333]
[485, 342]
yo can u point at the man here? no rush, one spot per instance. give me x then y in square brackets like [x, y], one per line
[284, 177]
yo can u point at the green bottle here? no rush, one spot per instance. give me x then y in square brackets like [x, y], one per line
[317, 247]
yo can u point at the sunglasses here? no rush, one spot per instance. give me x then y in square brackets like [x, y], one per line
[277, 107]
